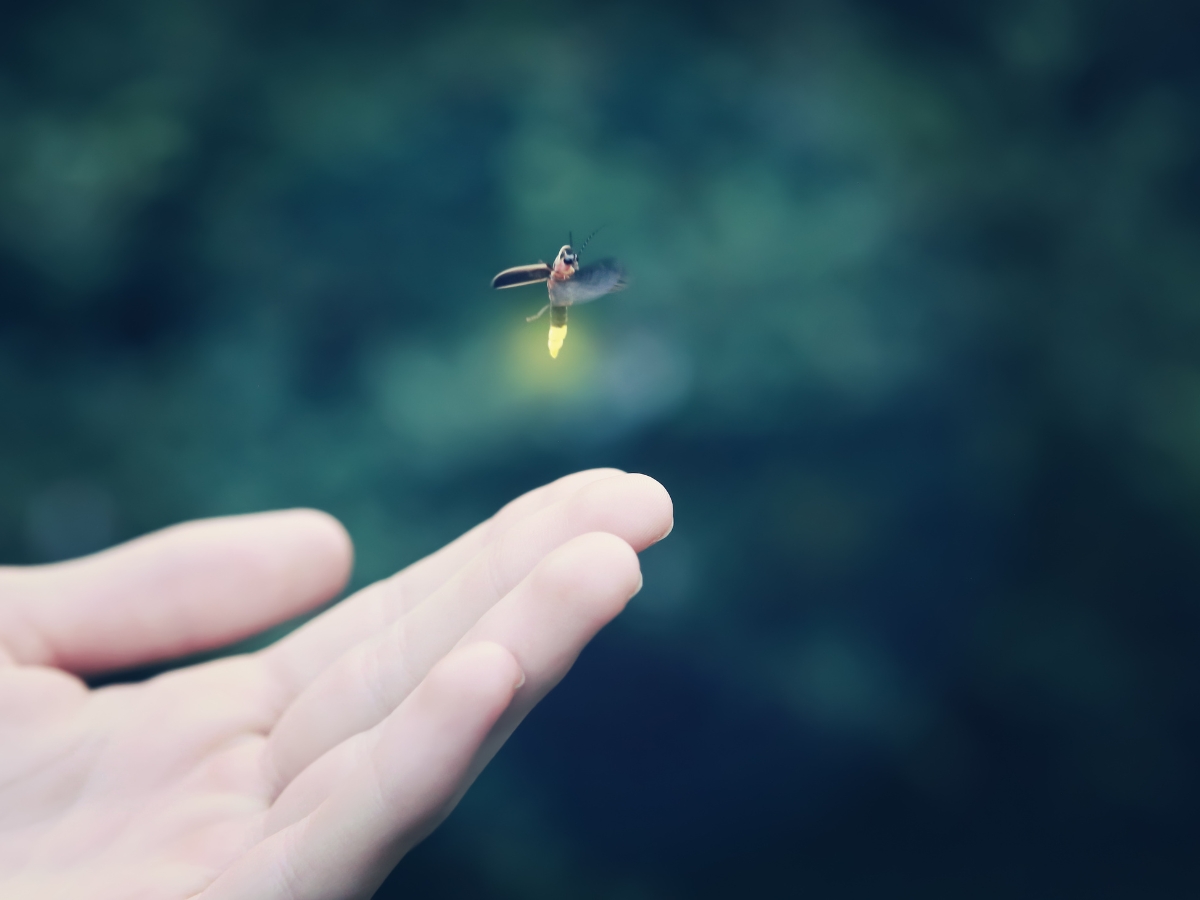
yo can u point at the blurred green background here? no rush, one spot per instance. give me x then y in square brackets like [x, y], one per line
[912, 340]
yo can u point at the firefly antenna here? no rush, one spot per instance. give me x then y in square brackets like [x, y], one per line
[589, 238]
[570, 239]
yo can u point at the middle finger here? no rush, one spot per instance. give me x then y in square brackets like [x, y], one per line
[372, 678]
[301, 656]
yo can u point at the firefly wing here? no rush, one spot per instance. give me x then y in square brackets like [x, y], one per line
[601, 277]
[519, 275]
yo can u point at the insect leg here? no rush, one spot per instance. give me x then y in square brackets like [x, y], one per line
[541, 312]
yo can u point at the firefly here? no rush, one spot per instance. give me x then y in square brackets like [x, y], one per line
[567, 283]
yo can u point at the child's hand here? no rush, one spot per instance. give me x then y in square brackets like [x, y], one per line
[308, 769]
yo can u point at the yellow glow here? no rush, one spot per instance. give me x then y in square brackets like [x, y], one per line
[534, 373]
[558, 334]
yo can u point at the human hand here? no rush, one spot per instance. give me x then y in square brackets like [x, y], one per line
[305, 770]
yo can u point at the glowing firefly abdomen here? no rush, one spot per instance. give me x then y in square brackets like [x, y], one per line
[558, 329]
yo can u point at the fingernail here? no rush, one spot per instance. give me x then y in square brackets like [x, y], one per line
[520, 681]
[638, 589]
[670, 528]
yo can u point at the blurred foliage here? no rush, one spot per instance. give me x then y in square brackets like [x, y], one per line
[912, 340]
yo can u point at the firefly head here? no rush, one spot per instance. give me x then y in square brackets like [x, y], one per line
[567, 257]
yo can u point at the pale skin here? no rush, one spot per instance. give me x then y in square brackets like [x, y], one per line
[306, 770]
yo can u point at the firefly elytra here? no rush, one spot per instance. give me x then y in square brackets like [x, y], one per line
[567, 284]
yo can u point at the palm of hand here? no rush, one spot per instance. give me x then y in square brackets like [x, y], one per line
[307, 769]
[134, 790]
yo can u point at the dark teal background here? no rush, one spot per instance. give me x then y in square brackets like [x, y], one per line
[913, 339]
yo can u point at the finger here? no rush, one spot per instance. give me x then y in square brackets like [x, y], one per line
[183, 589]
[545, 621]
[400, 790]
[548, 620]
[371, 679]
[307, 651]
